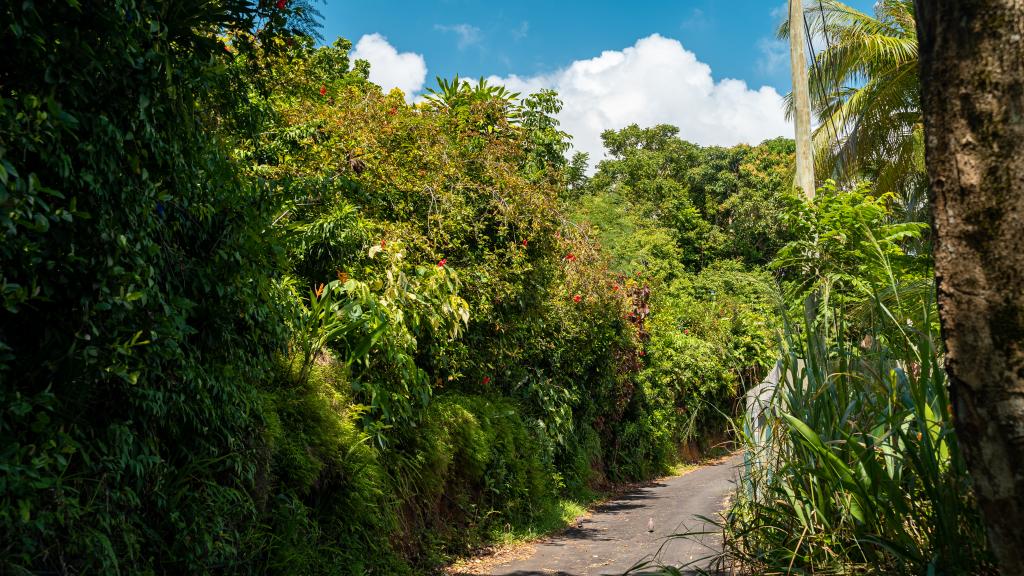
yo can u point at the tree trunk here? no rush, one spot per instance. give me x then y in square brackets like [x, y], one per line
[801, 100]
[972, 75]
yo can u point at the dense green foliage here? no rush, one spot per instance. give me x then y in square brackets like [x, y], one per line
[480, 349]
[715, 203]
[853, 465]
[695, 226]
[260, 317]
[857, 468]
[136, 319]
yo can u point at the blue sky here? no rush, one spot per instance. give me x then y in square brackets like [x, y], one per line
[475, 38]
[684, 47]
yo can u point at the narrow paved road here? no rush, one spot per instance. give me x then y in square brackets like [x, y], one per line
[615, 536]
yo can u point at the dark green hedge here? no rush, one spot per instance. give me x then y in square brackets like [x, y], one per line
[135, 307]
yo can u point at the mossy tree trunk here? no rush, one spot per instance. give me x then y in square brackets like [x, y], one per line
[972, 74]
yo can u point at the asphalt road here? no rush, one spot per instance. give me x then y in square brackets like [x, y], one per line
[615, 536]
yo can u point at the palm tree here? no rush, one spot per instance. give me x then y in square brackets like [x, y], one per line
[458, 92]
[865, 94]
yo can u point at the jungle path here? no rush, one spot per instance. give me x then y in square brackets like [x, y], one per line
[615, 536]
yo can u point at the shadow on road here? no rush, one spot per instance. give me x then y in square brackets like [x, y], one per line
[630, 500]
[654, 525]
[550, 573]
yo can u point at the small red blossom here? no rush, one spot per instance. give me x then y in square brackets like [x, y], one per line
[383, 243]
[686, 331]
[281, 4]
[615, 287]
[323, 90]
[442, 262]
[577, 298]
[393, 111]
[487, 380]
[570, 257]
[642, 353]
[525, 242]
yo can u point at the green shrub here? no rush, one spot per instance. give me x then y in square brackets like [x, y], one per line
[137, 311]
[329, 508]
[858, 470]
[260, 317]
[481, 470]
[861, 472]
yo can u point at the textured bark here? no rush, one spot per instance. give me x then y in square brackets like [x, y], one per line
[972, 75]
[801, 100]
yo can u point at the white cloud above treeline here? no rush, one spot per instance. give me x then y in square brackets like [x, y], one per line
[390, 68]
[656, 81]
[467, 34]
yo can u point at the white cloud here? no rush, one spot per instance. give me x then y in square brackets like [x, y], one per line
[774, 51]
[780, 13]
[522, 31]
[390, 68]
[657, 81]
[697, 20]
[774, 55]
[467, 35]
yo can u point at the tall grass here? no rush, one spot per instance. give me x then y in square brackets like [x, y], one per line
[857, 469]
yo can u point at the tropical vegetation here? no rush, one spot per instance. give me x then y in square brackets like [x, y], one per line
[865, 91]
[853, 463]
[262, 317]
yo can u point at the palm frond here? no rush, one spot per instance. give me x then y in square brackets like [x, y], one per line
[865, 96]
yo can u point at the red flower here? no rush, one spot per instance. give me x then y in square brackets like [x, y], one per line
[281, 4]
[642, 353]
[487, 380]
[442, 262]
[577, 298]
[615, 287]
[686, 331]
[525, 242]
[323, 90]
[570, 256]
[393, 111]
[383, 243]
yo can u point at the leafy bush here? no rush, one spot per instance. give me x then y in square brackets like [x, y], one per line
[489, 359]
[692, 225]
[856, 468]
[137, 314]
[862, 470]
[712, 337]
[327, 493]
[261, 317]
